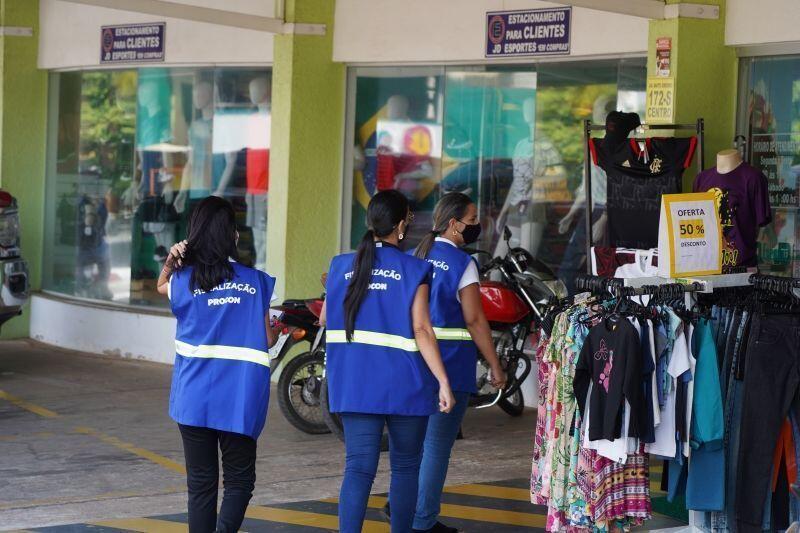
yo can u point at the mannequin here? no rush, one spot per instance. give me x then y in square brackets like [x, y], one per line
[155, 192]
[728, 160]
[197, 173]
[526, 215]
[258, 168]
[741, 195]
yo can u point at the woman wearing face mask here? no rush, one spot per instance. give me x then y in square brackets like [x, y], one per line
[383, 362]
[461, 329]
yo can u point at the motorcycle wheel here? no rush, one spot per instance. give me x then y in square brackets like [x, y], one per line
[334, 421]
[514, 405]
[299, 393]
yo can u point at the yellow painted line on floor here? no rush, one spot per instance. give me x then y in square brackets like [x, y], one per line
[28, 406]
[466, 512]
[491, 491]
[304, 518]
[25, 504]
[144, 525]
[136, 450]
[479, 514]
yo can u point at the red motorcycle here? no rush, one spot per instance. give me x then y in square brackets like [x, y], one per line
[515, 290]
[300, 381]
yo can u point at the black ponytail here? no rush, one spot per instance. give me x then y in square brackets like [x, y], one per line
[211, 243]
[451, 205]
[385, 211]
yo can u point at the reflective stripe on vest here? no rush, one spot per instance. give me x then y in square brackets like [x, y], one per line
[452, 334]
[371, 337]
[235, 353]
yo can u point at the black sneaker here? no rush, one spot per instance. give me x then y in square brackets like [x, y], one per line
[437, 528]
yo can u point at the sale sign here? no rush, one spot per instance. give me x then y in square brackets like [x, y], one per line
[689, 236]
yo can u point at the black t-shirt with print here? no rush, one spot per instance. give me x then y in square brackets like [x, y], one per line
[611, 360]
[636, 180]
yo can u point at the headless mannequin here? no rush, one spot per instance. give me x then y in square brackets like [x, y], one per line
[529, 231]
[203, 100]
[260, 93]
[728, 160]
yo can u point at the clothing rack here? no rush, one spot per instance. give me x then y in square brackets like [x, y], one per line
[623, 287]
[774, 283]
[588, 128]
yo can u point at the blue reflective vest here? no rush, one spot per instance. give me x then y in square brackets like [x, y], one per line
[221, 375]
[381, 371]
[459, 352]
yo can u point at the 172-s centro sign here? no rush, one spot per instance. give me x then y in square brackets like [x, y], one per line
[532, 32]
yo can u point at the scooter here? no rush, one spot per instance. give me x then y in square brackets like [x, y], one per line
[300, 381]
[14, 284]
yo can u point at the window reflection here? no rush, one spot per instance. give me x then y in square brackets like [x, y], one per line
[133, 152]
[510, 137]
[769, 117]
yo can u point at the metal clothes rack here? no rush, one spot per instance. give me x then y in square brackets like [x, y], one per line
[691, 286]
[588, 128]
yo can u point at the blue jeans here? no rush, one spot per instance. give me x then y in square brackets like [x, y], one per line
[439, 439]
[362, 437]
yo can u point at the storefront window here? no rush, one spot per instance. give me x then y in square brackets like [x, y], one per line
[769, 118]
[130, 154]
[511, 137]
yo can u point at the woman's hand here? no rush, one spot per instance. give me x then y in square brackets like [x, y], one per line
[498, 377]
[176, 255]
[446, 399]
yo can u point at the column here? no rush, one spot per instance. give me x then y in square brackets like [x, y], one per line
[306, 151]
[704, 73]
[23, 106]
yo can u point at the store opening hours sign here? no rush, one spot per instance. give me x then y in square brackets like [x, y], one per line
[689, 235]
[532, 32]
[133, 43]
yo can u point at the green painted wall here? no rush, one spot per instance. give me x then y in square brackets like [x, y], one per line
[306, 152]
[705, 72]
[23, 106]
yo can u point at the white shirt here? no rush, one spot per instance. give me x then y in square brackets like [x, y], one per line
[665, 444]
[469, 276]
[642, 267]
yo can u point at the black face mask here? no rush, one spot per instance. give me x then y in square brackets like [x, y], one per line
[471, 232]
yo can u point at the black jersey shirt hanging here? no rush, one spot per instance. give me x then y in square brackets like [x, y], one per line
[637, 177]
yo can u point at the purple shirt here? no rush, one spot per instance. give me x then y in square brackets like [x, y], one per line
[742, 198]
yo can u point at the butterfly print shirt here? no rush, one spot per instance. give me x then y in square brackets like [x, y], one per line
[611, 359]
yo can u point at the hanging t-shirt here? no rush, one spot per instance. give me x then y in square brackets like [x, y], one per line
[257, 170]
[645, 265]
[200, 156]
[742, 198]
[666, 444]
[637, 178]
[611, 361]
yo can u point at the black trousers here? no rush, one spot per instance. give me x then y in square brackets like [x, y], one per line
[771, 382]
[202, 477]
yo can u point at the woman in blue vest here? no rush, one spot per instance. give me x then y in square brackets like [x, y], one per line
[220, 384]
[383, 362]
[461, 329]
